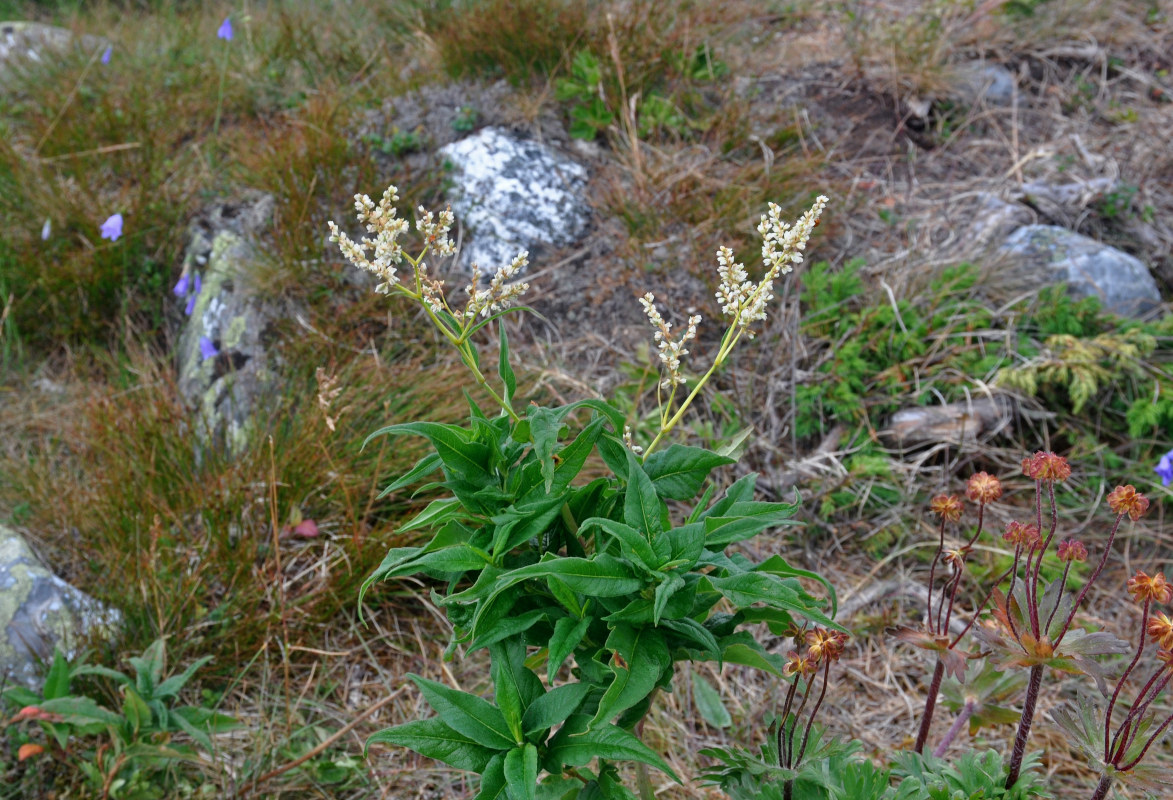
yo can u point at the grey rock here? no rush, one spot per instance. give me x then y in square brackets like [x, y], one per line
[36, 42]
[224, 387]
[1047, 254]
[39, 612]
[977, 82]
[993, 220]
[512, 194]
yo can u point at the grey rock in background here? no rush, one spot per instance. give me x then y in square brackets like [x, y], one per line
[39, 612]
[977, 82]
[1047, 254]
[512, 194]
[37, 42]
[224, 389]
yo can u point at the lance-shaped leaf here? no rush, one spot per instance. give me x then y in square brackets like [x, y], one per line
[576, 744]
[459, 455]
[521, 772]
[425, 466]
[746, 519]
[639, 658]
[679, 471]
[468, 714]
[554, 707]
[504, 368]
[632, 543]
[758, 587]
[641, 505]
[568, 632]
[433, 739]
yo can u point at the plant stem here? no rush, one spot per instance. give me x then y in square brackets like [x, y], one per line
[1102, 788]
[933, 575]
[1144, 620]
[954, 729]
[1028, 716]
[1090, 581]
[926, 720]
[806, 735]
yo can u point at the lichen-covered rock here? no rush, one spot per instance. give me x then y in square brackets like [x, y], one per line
[37, 42]
[512, 194]
[978, 82]
[224, 366]
[1048, 254]
[39, 611]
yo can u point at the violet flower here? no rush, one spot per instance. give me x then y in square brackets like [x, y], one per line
[191, 300]
[207, 348]
[107, 53]
[46, 230]
[225, 30]
[112, 228]
[180, 289]
[1164, 468]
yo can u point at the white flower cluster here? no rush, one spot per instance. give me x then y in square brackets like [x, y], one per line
[671, 349]
[782, 246]
[500, 292]
[629, 440]
[381, 220]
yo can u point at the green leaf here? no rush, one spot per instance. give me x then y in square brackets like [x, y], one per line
[57, 679]
[433, 739]
[776, 565]
[425, 466]
[137, 712]
[757, 587]
[521, 772]
[669, 586]
[685, 545]
[447, 560]
[633, 544]
[544, 424]
[576, 744]
[747, 651]
[493, 786]
[554, 707]
[508, 628]
[696, 634]
[743, 520]
[504, 368]
[679, 471]
[641, 505]
[80, 711]
[568, 632]
[466, 713]
[601, 576]
[515, 686]
[148, 667]
[640, 659]
[172, 686]
[436, 514]
[575, 454]
[460, 456]
[708, 702]
[518, 525]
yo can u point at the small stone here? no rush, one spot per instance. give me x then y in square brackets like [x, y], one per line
[977, 82]
[1048, 254]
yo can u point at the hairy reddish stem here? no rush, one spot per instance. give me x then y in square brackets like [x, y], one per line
[1102, 788]
[1027, 719]
[926, 720]
[954, 729]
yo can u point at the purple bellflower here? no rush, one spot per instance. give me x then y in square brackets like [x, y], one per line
[109, 51]
[195, 293]
[46, 230]
[225, 30]
[1164, 468]
[112, 228]
[207, 348]
[180, 289]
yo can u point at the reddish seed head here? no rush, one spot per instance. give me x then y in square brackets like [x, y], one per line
[1071, 550]
[1020, 533]
[1127, 500]
[1161, 630]
[1155, 589]
[947, 506]
[1166, 658]
[825, 644]
[799, 664]
[983, 488]
[955, 558]
[1044, 466]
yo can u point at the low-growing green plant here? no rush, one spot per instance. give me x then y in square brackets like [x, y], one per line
[124, 751]
[624, 575]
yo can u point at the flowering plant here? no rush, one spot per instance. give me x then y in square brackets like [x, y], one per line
[586, 593]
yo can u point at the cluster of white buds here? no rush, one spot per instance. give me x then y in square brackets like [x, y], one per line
[501, 292]
[671, 349]
[381, 220]
[630, 441]
[782, 246]
[435, 230]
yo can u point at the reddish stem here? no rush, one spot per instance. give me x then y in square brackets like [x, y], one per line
[1024, 723]
[1156, 735]
[1058, 597]
[981, 607]
[926, 720]
[1139, 707]
[1102, 788]
[1083, 592]
[933, 575]
[1144, 622]
[814, 711]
